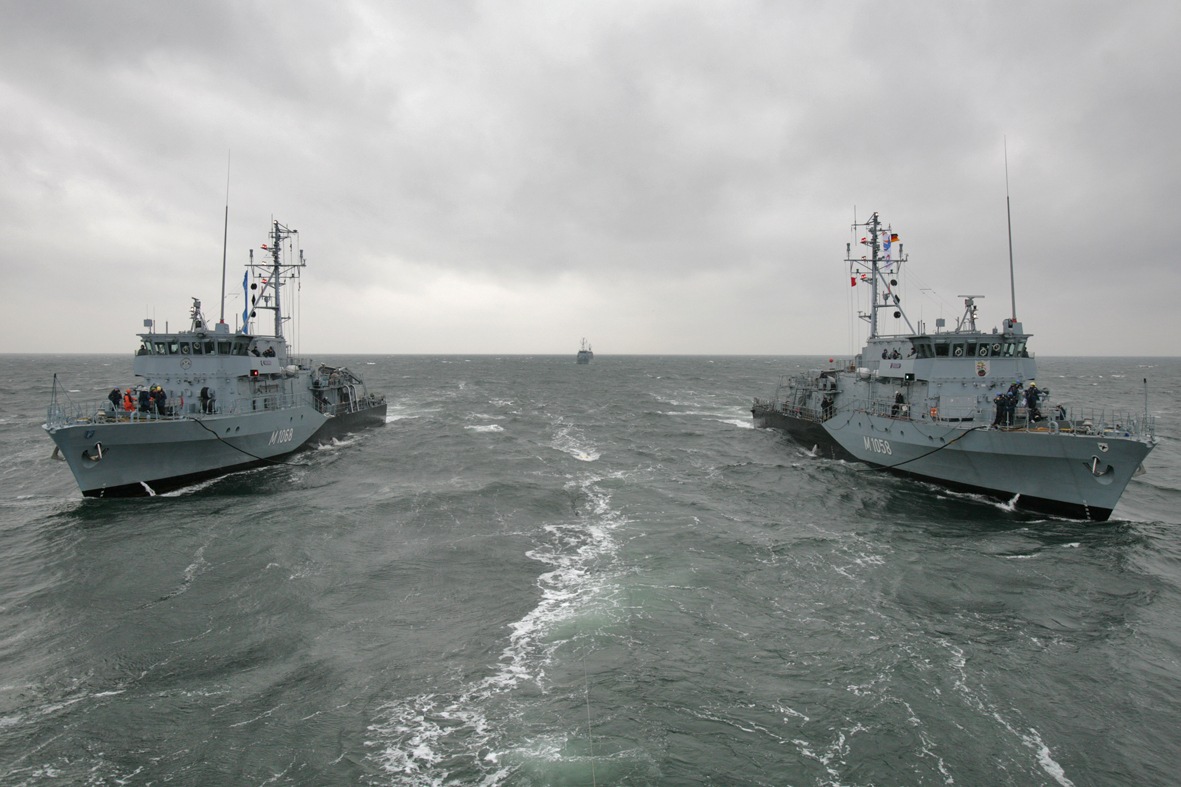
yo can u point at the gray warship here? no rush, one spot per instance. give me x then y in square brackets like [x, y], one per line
[958, 406]
[209, 401]
[584, 353]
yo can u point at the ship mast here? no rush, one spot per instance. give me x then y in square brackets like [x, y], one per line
[276, 241]
[879, 241]
[225, 236]
[1009, 219]
[273, 278]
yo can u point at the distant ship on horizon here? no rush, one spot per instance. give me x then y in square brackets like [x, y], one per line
[584, 353]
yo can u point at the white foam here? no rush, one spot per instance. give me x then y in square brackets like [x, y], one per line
[570, 440]
[1049, 765]
[741, 423]
[486, 428]
[195, 569]
[417, 734]
[336, 443]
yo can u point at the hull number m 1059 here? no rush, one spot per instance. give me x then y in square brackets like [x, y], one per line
[877, 445]
[282, 436]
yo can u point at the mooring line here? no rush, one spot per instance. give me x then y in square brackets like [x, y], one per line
[201, 423]
[936, 450]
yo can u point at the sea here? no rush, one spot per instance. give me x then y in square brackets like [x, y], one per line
[543, 573]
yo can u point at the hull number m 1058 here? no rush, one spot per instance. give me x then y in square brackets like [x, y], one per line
[282, 436]
[877, 445]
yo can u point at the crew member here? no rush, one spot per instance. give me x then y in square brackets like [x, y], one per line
[1032, 395]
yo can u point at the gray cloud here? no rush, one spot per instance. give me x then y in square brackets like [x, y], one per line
[660, 177]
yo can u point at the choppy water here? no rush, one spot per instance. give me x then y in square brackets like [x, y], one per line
[542, 573]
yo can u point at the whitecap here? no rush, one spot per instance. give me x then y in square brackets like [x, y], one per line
[1048, 763]
[741, 423]
[570, 440]
[336, 444]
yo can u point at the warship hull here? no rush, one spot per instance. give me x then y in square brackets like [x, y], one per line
[1076, 475]
[140, 458]
[250, 402]
[958, 406]
[809, 433]
[345, 423]
[1071, 475]
[135, 458]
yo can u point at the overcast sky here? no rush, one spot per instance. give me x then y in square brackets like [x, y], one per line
[658, 177]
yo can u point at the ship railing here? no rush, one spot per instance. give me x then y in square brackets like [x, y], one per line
[337, 391]
[1050, 417]
[62, 411]
[1091, 421]
[261, 403]
[237, 406]
[807, 413]
[354, 404]
[795, 411]
[65, 413]
[889, 409]
[796, 387]
[347, 400]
